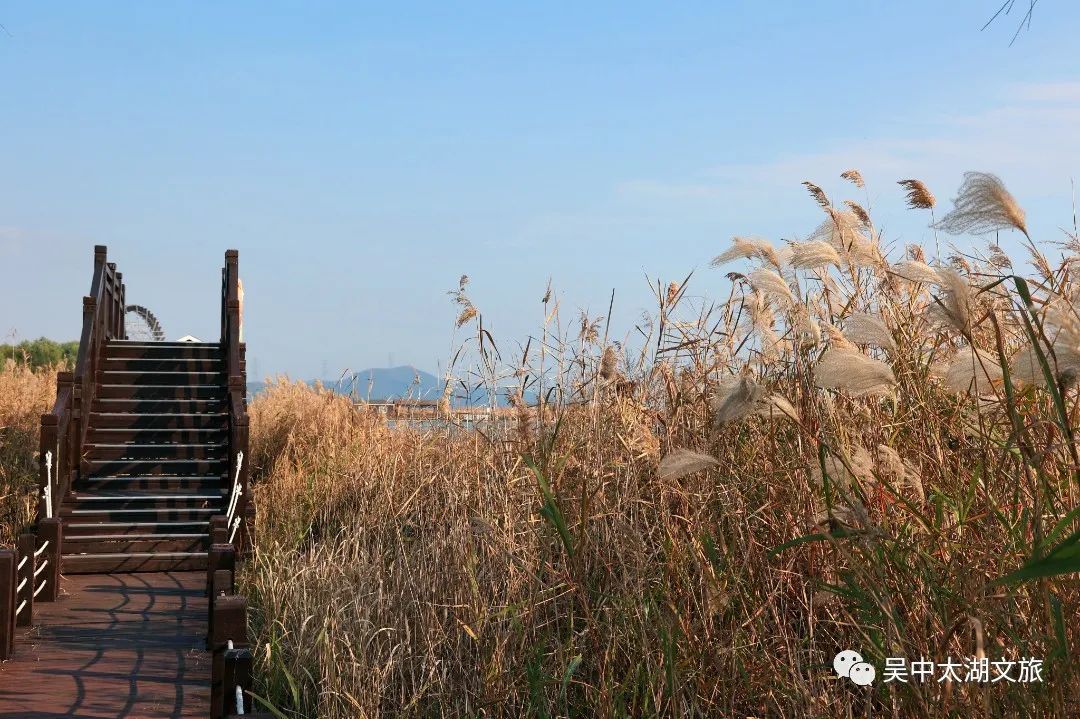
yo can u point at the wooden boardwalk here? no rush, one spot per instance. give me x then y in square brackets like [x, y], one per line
[144, 505]
[113, 646]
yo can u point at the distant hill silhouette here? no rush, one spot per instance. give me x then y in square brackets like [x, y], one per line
[378, 383]
[386, 383]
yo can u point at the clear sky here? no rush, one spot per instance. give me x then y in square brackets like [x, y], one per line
[362, 156]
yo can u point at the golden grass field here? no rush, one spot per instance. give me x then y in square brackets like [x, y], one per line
[847, 452]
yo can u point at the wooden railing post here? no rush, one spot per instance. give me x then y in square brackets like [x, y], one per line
[228, 623]
[51, 531]
[236, 672]
[8, 580]
[101, 280]
[48, 466]
[221, 557]
[85, 377]
[219, 529]
[122, 324]
[230, 541]
[223, 583]
[65, 386]
[26, 545]
[110, 302]
[101, 253]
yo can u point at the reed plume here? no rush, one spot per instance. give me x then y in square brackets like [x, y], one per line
[853, 176]
[953, 305]
[843, 229]
[466, 314]
[915, 271]
[919, 196]
[609, 363]
[869, 329]
[859, 212]
[813, 254]
[1061, 326]
[818, 194]
[853, 372]
[770, 284]
[743, 247]
[890, 464]
[982, 206]
[973, 371]
[680, 462]
[740, 397]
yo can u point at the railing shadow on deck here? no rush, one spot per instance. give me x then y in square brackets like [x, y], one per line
[136, 646]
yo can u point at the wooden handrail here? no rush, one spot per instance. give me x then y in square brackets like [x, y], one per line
[64, 428]
[32, 572]
[236, 369]
[227, 620]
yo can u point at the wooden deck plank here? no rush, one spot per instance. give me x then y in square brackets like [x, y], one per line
[113, 646]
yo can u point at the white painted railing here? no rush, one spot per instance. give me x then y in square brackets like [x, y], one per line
[237, 490]
[48, 485]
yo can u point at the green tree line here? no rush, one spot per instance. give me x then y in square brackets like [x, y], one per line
[41, 352]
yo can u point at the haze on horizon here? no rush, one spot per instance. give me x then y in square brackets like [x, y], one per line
[363, 158]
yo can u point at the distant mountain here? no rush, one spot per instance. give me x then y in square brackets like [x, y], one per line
[381, 383]
[378, 383]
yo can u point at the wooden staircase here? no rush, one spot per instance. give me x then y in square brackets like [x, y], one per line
[141, 469]
[155, 464]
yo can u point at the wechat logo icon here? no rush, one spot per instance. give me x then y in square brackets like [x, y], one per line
[850, 664]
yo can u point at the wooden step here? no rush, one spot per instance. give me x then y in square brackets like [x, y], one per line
[113, 516]
[144, 467]
[162, 350]
[131, 451]
[161, 406]
[140, 379]
[197, 484]
[144, 500]
[81, 528]
[135, 543]
[144, 435]
[154, 343]
[138, 562]
[164, 364]
[156, 420]
[162, 391]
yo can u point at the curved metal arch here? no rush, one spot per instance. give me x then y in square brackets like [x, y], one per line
[156, 333]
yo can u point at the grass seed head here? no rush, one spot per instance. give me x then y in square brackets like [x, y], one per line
[982, 206]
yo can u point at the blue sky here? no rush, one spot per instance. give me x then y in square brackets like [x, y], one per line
[363, 156]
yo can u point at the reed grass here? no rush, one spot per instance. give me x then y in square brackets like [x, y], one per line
[25, 394]
[689, 519]
[848, 452]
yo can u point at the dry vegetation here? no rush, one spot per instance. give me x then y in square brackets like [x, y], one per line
[25, 395]
[847, 453]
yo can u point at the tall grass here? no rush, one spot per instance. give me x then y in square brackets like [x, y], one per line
[25, 394]
[849, 451]
[854, 448]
